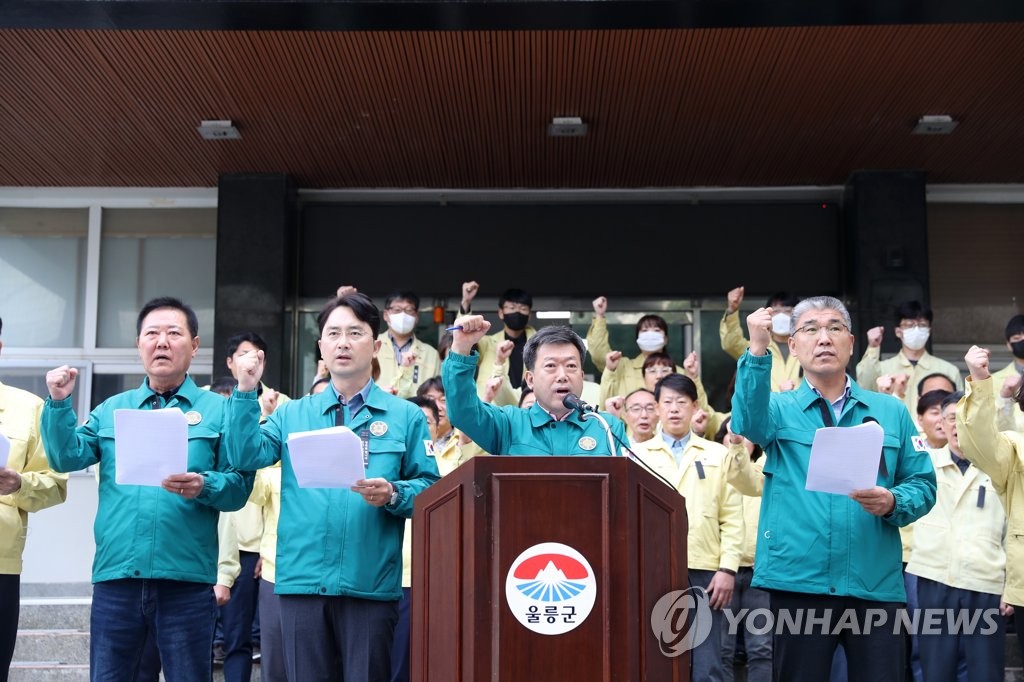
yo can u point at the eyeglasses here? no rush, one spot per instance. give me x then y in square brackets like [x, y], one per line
[650, 408]
[396, 309]
[834, 330]
[912, 324]
[660, 370]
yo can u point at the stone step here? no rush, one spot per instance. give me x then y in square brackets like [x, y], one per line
[60, 646]
[48, 672]
[55, 613]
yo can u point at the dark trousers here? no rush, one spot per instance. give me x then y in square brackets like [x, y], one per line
[10, 603]
[941, 646]
[804, 652]
[337, 638]
[236, 618]
[1018, 625]
[400, 647]
[706, 663]
[271, 642]
[179, 614]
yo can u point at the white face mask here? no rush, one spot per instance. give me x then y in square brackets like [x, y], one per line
[781, 323]
[915, 337]
[650, 340]
[402, 323]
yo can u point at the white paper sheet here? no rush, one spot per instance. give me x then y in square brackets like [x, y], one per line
[326, 458]
[5, 449]
[844, 459]
[149, 445]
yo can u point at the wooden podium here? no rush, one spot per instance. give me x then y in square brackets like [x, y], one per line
[471, 528]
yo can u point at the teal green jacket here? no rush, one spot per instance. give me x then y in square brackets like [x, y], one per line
[329, 540]
[145, 531]
[511, 430]
[820, 543]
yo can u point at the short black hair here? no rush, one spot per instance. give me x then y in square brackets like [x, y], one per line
[680, 383]
[431, 384]
[553, 334]
[361, 305]
[238, 339]
[933, 375]
[1014, 326]
[952, 399]
[398, 295]
[912, 310]
[420, 401]
[224, 385]
[522, 396]
[658, 321]
[1, 325]
[931, 399]
[784, 298]
[515, 296]
[168, 302]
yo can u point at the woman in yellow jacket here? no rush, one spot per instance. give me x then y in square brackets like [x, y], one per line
[1001, 456]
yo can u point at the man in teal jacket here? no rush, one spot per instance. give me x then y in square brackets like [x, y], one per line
[339, 550]
[156, 547]
[818, 550]
[553, 359]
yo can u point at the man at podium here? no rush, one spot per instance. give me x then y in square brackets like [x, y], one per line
[553, 363]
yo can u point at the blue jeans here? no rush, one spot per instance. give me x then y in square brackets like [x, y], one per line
[179, 614]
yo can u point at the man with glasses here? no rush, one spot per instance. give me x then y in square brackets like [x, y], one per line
[912, 363]
[405, 361]
[640, 412]
[839, 555]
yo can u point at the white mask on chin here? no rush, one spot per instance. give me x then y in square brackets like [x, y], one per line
[401, 323]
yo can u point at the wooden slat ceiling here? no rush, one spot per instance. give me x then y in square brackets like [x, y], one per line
[666, 108]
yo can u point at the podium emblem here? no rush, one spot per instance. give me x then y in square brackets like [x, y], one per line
[551, 588]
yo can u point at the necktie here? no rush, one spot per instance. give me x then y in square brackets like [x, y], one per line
[339, 415]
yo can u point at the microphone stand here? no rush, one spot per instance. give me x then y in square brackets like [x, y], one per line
[584, 415]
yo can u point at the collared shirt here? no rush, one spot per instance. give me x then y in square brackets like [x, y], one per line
[353, 404]
[676, 445]
[553, 417]
[400, 349]
[839, 403]
[961, 462]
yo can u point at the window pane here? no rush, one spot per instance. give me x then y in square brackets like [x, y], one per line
[147, 253]
[42, 276]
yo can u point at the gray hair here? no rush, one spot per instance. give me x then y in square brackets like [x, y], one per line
[553, 334]
[820, 303]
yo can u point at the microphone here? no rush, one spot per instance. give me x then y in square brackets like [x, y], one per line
[572, 402]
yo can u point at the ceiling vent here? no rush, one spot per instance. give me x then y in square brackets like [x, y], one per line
[567, 126]
[218, 130]
[935, 125]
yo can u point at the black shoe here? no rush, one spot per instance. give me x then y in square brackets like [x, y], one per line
[256, 656]
[218, 654]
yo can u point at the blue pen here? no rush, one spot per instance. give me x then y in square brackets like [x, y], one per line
[456, 328]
